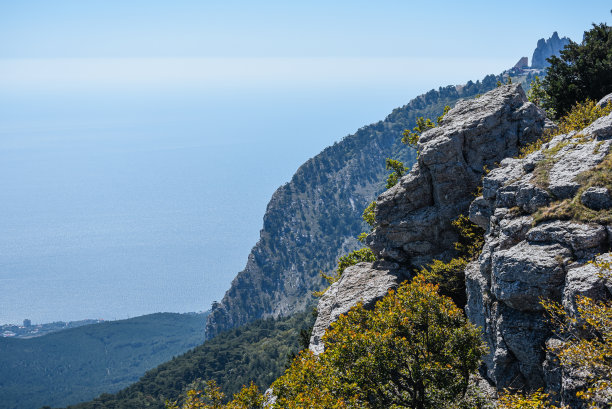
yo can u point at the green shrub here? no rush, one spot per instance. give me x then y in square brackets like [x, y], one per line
[415, 349]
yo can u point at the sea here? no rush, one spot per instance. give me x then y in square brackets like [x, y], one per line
[119, 201]
[115, 205]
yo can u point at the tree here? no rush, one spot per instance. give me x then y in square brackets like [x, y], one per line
[536, 93]
[583, 71]
[411, 137]
[415, 349]
[211, 397]
[398, 169]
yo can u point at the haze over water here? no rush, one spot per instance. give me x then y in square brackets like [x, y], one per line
[126, 202]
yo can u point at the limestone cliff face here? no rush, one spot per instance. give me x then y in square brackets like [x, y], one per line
[414, 217]
[546, 49]
[526, 259]
[314, 219]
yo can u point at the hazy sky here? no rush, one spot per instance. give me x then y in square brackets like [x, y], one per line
[328, 41]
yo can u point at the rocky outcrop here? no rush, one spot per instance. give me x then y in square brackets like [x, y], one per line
[362, 283]
[546, 49]
[413, 219]
[533, 251]
[522, 63]
[314, 219]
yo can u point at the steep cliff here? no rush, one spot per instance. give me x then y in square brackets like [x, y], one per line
[314, 218]
[546, 49]
[546, 216]
[413, 218]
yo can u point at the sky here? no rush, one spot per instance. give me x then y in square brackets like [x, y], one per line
[65, 43]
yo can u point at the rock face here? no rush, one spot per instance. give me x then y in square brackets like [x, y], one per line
[523, 261]
[546, 49]
[414, 217]
[363, 282]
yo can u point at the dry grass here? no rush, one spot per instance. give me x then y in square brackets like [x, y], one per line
[573, 209]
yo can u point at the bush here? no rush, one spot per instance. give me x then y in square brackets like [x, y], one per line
[414, 350]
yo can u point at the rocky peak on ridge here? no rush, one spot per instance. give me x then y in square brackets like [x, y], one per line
[546, 49]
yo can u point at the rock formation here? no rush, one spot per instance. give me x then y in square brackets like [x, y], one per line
[315, 218]
[546, 49]
[414, 217]
[522, 63]
[536, 247]
[363, 282]
[532, 253]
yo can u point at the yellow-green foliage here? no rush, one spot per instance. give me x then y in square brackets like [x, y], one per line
[311, 382]
[587, 345]
[471, 237]
[211, 397]
[600, 176]
[369, 215]
[450, 277]
[411, 137]
[354, 257]
[581, 115]
[536, 93]
[517, 400]
[415, 349]
[398, 169]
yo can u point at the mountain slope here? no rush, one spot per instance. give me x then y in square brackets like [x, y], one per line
[258, 351]
[314, 219]
[80, 363]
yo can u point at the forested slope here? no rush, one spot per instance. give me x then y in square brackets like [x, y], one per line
[76, 364]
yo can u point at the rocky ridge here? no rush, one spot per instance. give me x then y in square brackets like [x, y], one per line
[546, 49]
[530, 251]
[413, 219]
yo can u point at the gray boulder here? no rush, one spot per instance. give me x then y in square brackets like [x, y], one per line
[596, 198]
[605, 101]
[362, 283]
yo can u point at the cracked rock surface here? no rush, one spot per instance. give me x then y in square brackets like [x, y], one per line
[414, 217]
[524, 261]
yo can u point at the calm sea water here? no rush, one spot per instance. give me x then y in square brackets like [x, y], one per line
[126, 202]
